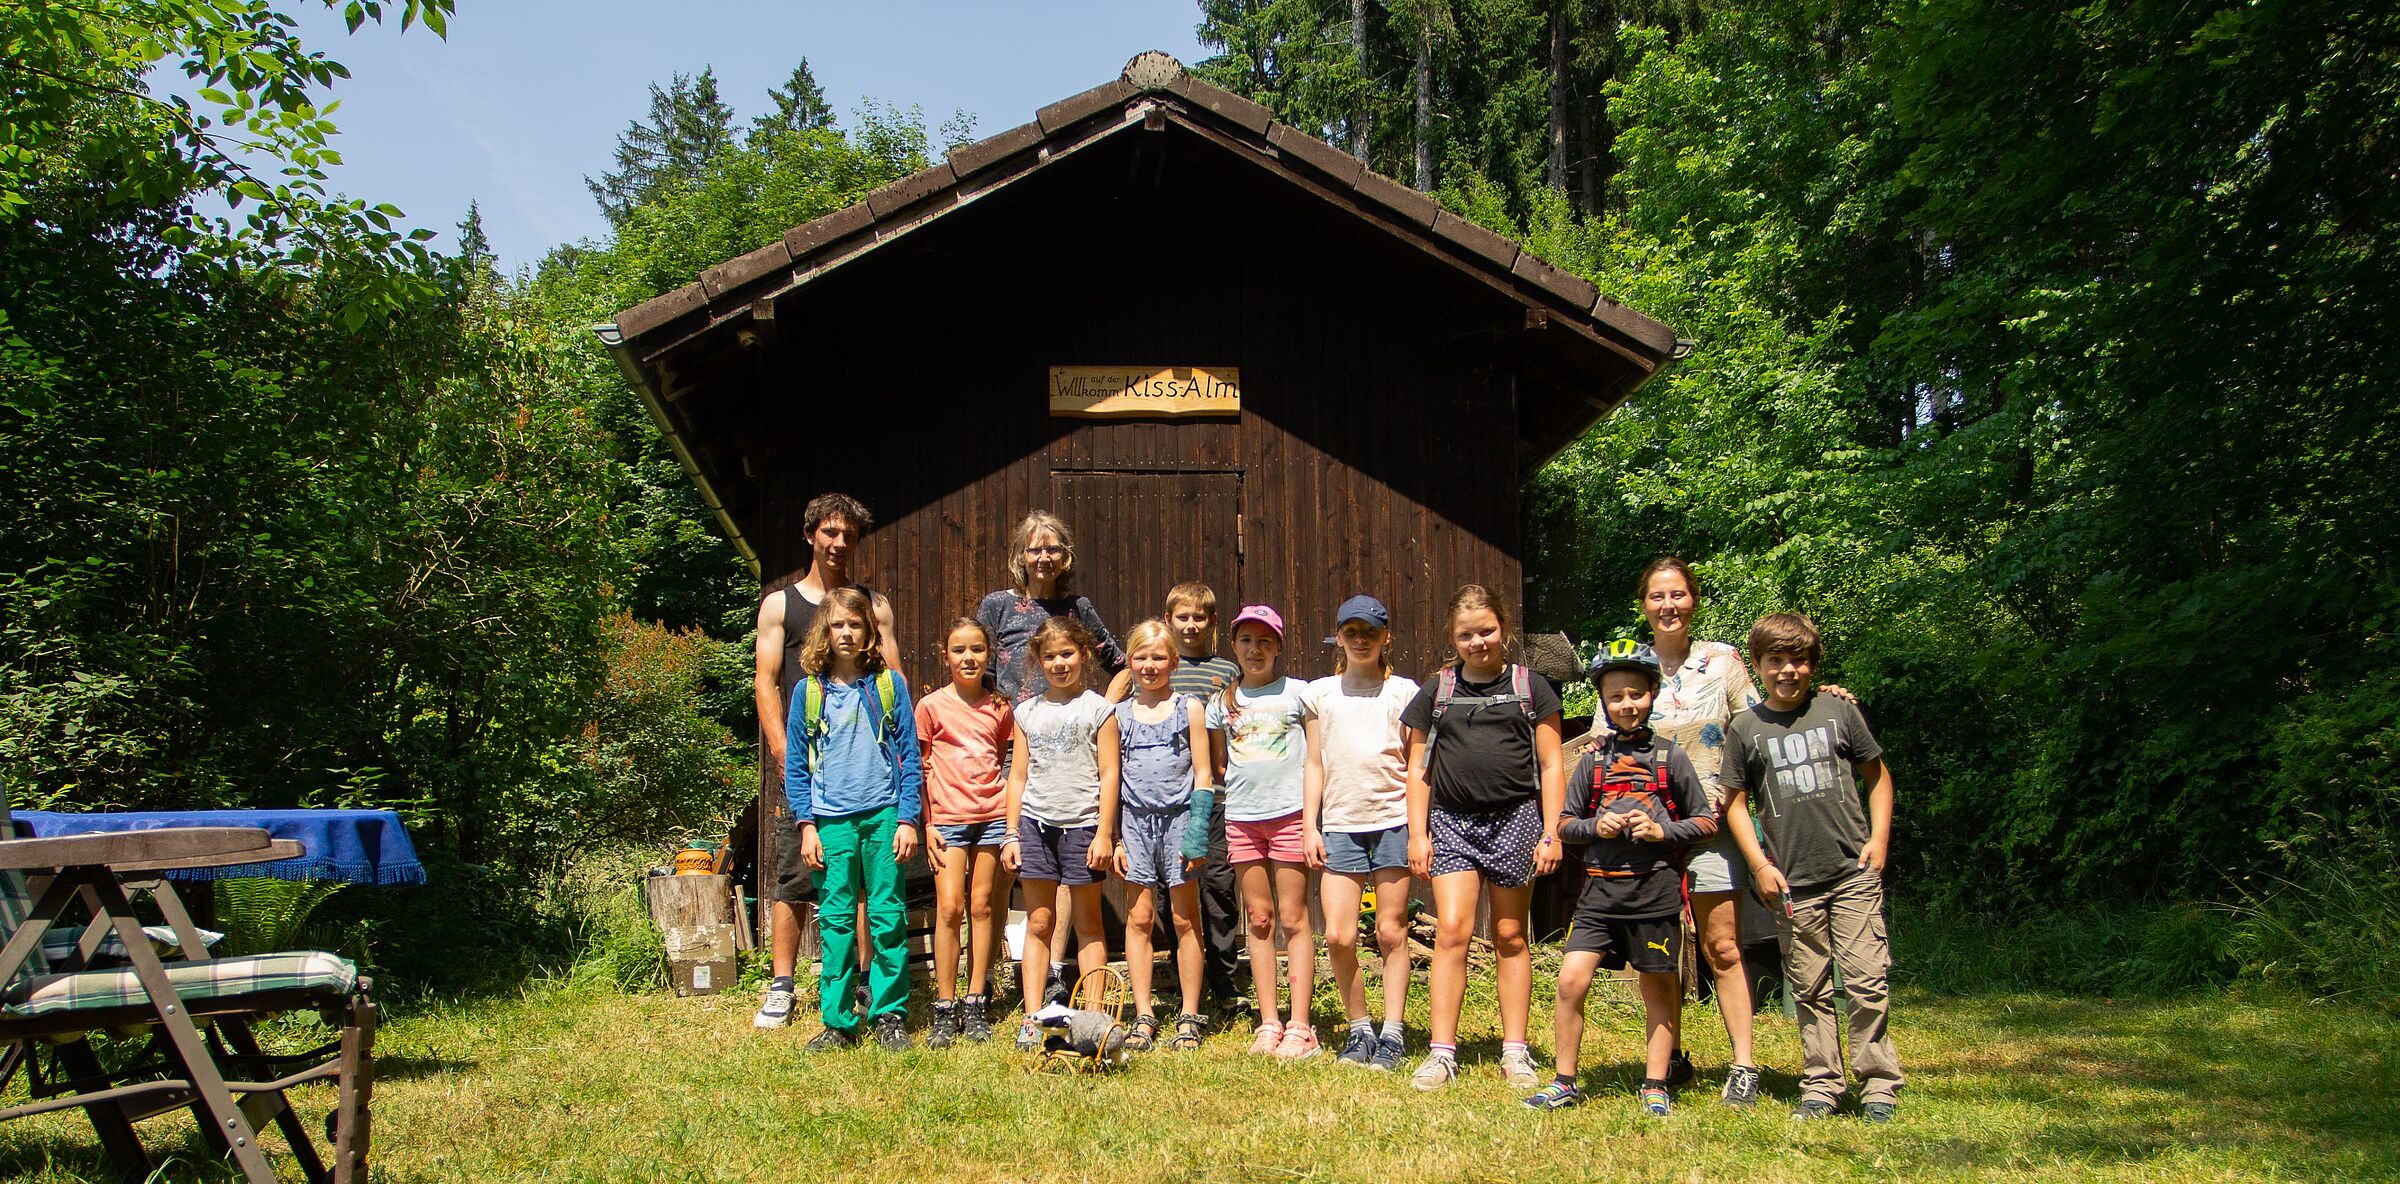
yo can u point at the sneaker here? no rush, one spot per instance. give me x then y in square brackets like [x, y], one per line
[973, 1021]
[1654, 1099]
[1516, 1068]
[1679, 1070]
[1554, 1096]
[1269, 1038]
[1057, 993]
[1812, 1110]
[1434, 1072]
[775, 1009]
[944, 1030]
[1878, 1112]
[1299, 1043]
[830, 1040]
[1741, 1085]
[891, 1031]
[1358, 1048]
[1388, 1053]
[1029, 1037]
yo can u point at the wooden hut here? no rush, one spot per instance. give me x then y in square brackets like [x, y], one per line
[1215, 345]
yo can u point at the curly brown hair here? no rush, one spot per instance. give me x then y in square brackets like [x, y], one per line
[816, 653]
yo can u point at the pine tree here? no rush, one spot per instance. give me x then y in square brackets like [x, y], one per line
[474, 248]
[689, 126]
[799, 106]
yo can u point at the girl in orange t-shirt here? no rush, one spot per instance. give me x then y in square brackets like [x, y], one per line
[963, 728]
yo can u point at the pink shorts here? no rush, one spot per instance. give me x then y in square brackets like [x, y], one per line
[1274, 838]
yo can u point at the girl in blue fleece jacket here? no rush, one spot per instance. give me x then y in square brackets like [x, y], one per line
[852, 773]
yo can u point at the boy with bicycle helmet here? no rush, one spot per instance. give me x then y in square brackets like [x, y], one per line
[1636, 802]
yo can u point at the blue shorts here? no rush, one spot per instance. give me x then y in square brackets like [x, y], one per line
[1055, 853]
[973, 834]
[1359, 853]
[1153, 842]
[1499, 845]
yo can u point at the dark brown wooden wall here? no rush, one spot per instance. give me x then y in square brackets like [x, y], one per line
[1375, 449]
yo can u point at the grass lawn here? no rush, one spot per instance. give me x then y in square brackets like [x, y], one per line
[580, 1084]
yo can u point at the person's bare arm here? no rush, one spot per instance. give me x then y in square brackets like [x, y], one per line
[1312, 793]
[1011, 851]
[1765, 879]
[887, 641]
[1553, 790]
[1102, 856]
[769, 663]
[1204, 752]
[1877, 776]
[1420, 806]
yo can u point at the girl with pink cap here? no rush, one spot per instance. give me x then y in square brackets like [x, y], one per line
[1266, 754]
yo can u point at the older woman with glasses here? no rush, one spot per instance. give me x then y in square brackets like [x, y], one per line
[1040, 564]
[1041, 559]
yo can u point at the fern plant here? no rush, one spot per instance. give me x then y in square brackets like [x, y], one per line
[262, 915]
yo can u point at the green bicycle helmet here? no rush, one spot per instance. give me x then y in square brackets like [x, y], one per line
[1624, 654]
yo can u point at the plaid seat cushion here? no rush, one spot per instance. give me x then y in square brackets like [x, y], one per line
[58, 945]
[195, 982]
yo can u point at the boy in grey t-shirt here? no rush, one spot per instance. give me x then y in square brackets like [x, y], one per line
[1816, 855]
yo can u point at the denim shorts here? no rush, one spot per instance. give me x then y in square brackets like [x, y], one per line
[1499, 844]
[1153, 841]
[987, 833]
[1055, 853]
[1716, 866]
[1358, 853]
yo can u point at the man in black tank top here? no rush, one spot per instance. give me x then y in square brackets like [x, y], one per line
[832, 524]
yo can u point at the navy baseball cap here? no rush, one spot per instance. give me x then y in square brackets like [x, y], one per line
[1359, 608]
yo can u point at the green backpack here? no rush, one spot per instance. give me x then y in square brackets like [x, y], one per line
[886, 686]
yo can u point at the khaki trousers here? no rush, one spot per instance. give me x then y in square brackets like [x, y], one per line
[1842, 924]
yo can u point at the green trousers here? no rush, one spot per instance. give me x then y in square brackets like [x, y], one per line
[859, 864]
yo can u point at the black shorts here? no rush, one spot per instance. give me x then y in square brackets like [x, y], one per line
[1652, 945]
[795, 881]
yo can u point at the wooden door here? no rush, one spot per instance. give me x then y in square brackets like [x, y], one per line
[1139, 534]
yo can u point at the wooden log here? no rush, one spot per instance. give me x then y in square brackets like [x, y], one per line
[695, 913]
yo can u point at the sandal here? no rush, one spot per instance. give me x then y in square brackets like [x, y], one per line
[1144, 1035]
[1187, 1032]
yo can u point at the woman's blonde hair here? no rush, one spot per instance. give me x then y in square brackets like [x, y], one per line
[1152, 632]
[1040, 520]
[816, 653]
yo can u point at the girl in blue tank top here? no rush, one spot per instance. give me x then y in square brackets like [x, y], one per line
[1162, 754]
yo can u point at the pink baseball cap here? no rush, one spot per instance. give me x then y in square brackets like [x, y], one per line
[1263, 615]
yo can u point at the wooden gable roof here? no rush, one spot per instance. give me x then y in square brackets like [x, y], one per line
[1580, 355]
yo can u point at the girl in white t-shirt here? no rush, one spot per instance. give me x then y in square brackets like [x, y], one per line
[1062, 807]
[1355, 820]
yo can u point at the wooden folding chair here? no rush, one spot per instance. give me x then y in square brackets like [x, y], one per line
[200, 1052]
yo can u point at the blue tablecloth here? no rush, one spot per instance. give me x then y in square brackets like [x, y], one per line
[353, 846]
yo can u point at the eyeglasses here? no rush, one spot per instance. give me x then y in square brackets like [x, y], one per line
[1040, 551]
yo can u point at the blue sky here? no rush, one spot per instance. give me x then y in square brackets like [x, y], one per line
[526, 97]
